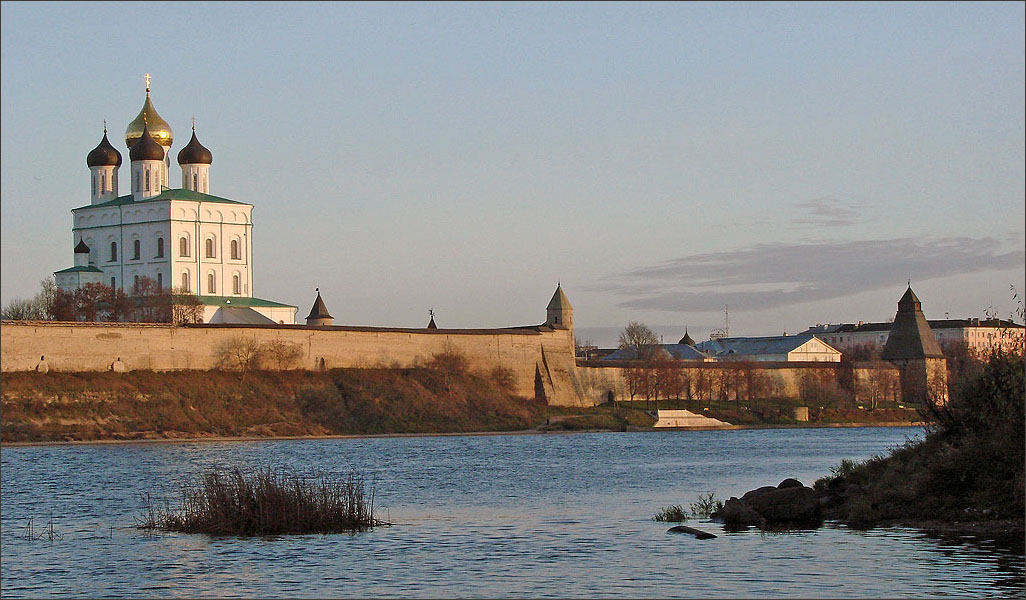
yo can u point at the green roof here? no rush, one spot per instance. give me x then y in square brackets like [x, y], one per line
[89, 269]
[241, 301]
[166, 194]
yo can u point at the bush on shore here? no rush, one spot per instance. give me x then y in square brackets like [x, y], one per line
[969, 466]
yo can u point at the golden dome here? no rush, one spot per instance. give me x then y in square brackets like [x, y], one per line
[160, 131]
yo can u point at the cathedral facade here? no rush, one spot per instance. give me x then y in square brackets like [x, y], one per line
[182, 238]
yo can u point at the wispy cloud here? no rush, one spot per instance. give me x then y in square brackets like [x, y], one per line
[775, 275]
[827, 212]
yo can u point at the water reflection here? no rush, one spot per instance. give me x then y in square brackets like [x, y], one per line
[493, 516]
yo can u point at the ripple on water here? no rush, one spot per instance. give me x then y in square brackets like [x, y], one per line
[490, 516]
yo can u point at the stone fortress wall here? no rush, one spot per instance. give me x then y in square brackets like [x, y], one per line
[540, 357]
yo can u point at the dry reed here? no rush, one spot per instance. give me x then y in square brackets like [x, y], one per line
[227, 502]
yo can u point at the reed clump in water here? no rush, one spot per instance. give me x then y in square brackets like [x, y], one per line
[227, 502]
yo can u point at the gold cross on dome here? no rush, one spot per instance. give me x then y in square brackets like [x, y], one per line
[147, 77]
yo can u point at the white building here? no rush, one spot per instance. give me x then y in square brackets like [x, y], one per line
[781, 348]
[980, 336]
[183, 238]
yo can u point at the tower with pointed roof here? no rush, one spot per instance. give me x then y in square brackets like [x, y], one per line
[912, 347]
[319, 313]
[559, 313]
[183, 238]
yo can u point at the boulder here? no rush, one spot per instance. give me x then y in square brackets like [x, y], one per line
[787, 504]
[789, 483]
[737, 512]
[757, 492]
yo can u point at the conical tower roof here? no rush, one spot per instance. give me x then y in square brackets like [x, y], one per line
[910, 336]
[559, 300]
[81, 248]
[686, 340]
[148, 117]
[431, 324]
[104, 154]
[146, 148]
[319, 311]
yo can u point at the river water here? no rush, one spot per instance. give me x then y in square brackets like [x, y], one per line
[479, 516]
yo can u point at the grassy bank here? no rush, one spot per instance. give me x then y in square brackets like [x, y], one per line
[197, 404]
[968, 469]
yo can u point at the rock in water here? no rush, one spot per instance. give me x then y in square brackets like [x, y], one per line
[698, 533]
[786, 504]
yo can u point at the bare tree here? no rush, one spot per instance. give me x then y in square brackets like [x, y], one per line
[238, 353]
[640, 338]
[283, 354]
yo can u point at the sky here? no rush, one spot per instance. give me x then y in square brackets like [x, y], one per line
[758, 167]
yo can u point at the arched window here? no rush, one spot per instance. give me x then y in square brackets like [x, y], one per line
[185, 281]
[137, 181]
[135, 284]
[160, 247]
[94, 184]
[147, 177]
[114, 282]
[183, 246]
[136, 248]
[160, 282]
[210, 284]
[236, 255]
[210, 247]
[194, 186]
[236, 284]
[113, 251]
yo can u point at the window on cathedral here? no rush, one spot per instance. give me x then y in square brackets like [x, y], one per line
[135, 284]
[160, 247]
[136, 248]
[113, 282]
[185, 282]
[194, 186]
[210, 247]
[113, 251]
[183, 246]
[236, 285]
[236, 255]
[147, 180]
[210, 284]
[94, 185]
[160, 282]
[137, 181]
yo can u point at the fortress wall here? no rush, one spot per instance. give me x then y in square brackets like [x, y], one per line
[600, 382]
[542, 360]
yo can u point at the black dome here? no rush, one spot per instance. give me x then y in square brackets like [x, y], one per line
[104, 155]
[146, 148]
[194, 153]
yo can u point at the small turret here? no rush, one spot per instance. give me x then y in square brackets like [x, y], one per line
[319, 313]
[559, 313]
[431, 323]
[81, 254]
[195, 161]
[104, 161]
[686, 340]
[147, 166]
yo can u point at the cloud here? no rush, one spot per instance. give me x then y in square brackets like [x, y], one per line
[775, 275]
[826, 212]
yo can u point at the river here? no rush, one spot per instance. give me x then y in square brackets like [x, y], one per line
[557, 515]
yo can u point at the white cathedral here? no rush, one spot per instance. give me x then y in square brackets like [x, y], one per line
[178, 237]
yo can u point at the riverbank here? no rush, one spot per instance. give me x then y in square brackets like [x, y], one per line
[142, 406]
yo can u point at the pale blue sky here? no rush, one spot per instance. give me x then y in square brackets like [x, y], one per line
[797, 162]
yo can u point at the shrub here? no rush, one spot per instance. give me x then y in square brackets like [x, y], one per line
[451, 364]
[671, 514]
[238, 353]
[283, 355]
[706, 505]
[503, 377]
[226, 502]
